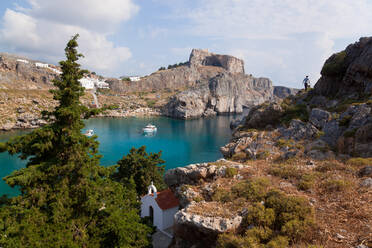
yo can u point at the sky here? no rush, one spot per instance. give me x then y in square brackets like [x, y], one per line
[283, 40]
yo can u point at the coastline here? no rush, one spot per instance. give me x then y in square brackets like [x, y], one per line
[36, 122]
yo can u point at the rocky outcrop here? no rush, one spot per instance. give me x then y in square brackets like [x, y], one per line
[20, 73]
[224, 93]
[200, 57]
[348, 72]
[283, 92]
[177, 78]
[203, 229]
[263, 115]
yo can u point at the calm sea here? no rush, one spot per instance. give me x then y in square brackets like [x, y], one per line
[181, 142]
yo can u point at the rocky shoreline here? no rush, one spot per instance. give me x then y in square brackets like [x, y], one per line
[30, 121]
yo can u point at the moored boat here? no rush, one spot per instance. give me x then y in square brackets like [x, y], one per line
[89, 132]
[150, 129]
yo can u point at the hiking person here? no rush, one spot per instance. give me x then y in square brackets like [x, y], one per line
[306, 82]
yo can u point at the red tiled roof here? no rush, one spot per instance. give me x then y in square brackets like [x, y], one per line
[166, 199]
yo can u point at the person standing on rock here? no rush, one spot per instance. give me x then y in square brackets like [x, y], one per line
[306, 82]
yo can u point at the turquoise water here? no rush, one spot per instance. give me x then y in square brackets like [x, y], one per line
[181, 142]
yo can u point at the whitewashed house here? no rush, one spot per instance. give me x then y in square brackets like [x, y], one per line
[55, 70]
[102, 84]
[160, 207]
[41, 65]
[134, 78]
[87, 83]
[23, 61]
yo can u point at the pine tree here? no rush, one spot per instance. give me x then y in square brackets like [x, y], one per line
[67, 199]
[143, 168]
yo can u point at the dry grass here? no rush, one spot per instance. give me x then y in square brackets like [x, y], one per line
[342, 206]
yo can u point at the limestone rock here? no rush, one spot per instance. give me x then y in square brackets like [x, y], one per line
[224, 93]
[366, 171]
[200, 57]
[319, 117]
[299, 130]
[348, 72]
[366, 183]
[261, 116]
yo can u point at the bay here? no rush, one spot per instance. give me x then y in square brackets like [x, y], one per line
[181, 142]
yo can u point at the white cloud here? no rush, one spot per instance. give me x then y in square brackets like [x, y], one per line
[42, 31]
[100, 15]
[283, 39]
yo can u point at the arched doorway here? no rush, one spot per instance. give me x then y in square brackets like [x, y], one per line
[151, 210]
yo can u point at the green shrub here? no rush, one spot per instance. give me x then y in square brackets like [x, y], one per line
[222, 195]
[294, 216]
[230, 172]
[335, 66]
[278, 242]
[285, 171]
[359, 161]
[279, 220]
[259, 215]
[334, 185]
[150, 103]
[298, 111]
[306, 182]
[239, 156]
[253, 191]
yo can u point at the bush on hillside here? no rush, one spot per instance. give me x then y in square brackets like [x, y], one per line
[335, 66]
[297, 111]
[275, 221]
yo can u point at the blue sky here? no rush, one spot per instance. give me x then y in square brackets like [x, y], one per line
[280, 39]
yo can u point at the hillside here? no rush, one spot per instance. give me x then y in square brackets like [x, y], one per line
[298, 172]
[207, 84]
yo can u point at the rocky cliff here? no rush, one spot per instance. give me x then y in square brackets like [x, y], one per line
[348, 72]
[224, 93]
[328, 122]
[21, 73]
[227, 91]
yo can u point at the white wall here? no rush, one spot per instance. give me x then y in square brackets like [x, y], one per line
[168, 217]
[135, 78]
[146, 202]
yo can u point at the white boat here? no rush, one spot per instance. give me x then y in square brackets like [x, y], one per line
[150, 129]
[89, 132]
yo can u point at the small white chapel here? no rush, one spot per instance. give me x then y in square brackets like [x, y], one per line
[160, 206]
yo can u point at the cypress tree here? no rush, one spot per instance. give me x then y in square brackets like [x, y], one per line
[67, 199]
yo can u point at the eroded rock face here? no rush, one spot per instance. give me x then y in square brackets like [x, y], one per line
[23, 75]
[224, 93]
[348, 72]
[193, 173]
[261, 116]
[319, 117]
[203, 229]
[199, 57]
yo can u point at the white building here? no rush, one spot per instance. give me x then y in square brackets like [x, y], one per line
[102, 84]
[23, 61]
[160, 206]
[135, 78]
[91, 83]
[55, 70]
[41, 65]
[87, 83]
